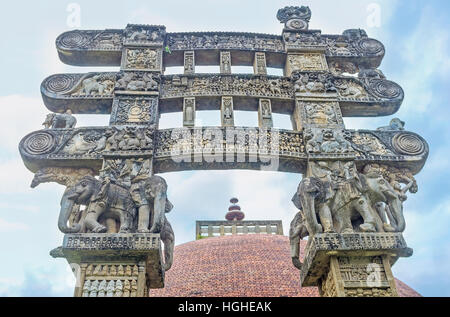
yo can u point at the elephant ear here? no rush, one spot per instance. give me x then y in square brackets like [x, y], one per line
[169, 206]
[297, 202]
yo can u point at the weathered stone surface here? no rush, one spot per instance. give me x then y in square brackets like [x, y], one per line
[353, 264]
[355, 183]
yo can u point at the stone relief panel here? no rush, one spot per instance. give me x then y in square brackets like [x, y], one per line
[260, 65]
[145, 59]
[107, 280]
[225, 62]
[214, 85]
[143, 35]
[189, 112]
[265, 113]
[227, 112]
[328, 142]
[319, 114]
[224, 41]
[134, 82]
[368, 144]
[305, 62]
[53, 147]
[189, 62]
[91, 40]
[91, 85]
[135, 110]
[352, 43]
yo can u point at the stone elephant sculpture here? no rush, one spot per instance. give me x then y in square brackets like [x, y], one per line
[104, 201]
[150, 196]
[90, 85]
[386, 199]
[60, 121]
[297, 232]
[312, 197]
[335, 207]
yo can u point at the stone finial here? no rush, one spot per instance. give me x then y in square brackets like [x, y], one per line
[295, 18]
[234, 211]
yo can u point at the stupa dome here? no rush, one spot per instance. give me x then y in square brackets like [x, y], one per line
[253, 265]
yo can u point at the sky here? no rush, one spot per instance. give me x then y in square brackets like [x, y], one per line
[416, 35]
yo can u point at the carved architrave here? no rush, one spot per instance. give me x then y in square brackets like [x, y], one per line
[225, 62]
[265, 113]
[135, 110]
[318, 113]
[224, 41]
[189, 62]
[219, 85]
[305, 62]
[260, 65]
[227, 112]
[189, 112]
[143, 59]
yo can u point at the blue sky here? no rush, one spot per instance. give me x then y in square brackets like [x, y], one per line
[417, 39]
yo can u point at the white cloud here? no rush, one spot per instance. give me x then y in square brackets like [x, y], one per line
[19, 115]
[424, 65]
[6, 226]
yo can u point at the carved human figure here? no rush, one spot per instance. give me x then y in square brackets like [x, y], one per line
[102, 200]
[349, 202]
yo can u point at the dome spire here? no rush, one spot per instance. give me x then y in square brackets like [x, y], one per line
[234, 211]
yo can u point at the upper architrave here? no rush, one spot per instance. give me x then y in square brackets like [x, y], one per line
[104, 48]
[94, 92]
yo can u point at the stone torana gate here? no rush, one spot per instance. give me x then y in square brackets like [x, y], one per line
[113, 212]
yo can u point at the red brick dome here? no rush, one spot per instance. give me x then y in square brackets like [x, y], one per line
[256, 265]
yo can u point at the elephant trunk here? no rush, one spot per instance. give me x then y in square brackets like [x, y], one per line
[396, 209]
[168, 238]
[295, 252]
[67, 204]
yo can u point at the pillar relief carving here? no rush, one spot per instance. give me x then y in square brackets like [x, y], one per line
[227, 111]
[189, 62]
[225, 62]
[260, 65]
[265, 114]
[144, 59]
[135, 110]
[189, 112]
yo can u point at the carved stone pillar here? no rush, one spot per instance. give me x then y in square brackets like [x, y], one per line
[114, 265]
[260, 65]
[353, 265]
[265, 114]
[225, 62]
[189, 112]
[227, 112]
[189, 62]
